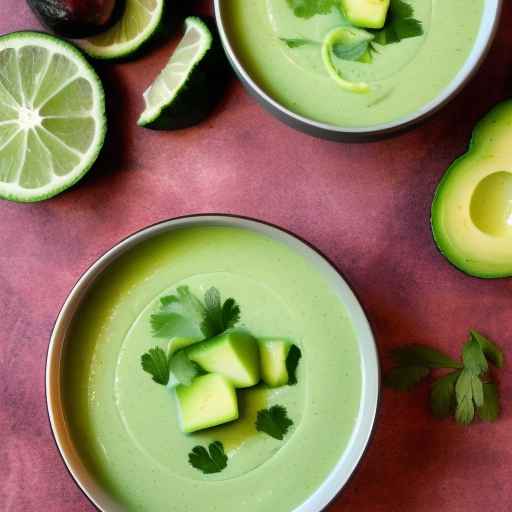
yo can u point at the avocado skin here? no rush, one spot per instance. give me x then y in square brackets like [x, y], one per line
[77, 18]
[481, 136]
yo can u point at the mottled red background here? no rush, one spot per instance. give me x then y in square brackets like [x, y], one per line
[366, 206]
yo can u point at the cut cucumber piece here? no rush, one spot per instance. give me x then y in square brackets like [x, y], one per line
[235, 355]
[209, 401]
[183, 93]
[178, 343]
[139, 22]
[366, 13]
[273, 354]
[52, 116]
[340, 36]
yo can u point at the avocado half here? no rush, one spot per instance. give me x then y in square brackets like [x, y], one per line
[472, 208]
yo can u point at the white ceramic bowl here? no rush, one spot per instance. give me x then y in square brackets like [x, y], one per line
[485, 37]
[368, 352]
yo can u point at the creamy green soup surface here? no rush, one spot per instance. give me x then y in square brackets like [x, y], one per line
[125, 426]
[402, 77]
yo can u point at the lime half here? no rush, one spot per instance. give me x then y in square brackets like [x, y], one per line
[52, 116]
[180, 95]
[139, 21]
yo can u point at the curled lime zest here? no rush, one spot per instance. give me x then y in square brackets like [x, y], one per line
[337, 36]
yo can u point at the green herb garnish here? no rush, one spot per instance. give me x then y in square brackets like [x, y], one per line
[400, 24]
[156, 363]
[463, 392]
[309, 8]
[183, 314]
[292, 361]
[298, 42]
[274, 422]
[213, 460]
[183, 369]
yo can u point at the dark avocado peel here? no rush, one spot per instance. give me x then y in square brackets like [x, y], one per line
[77, 18]
[472, 207]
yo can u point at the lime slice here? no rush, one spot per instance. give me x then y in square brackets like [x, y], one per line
[138, 23]
[180, 96]
[52, 116]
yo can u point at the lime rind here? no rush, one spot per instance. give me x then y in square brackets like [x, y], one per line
[29, 126]
[119, 41]
[176, 76]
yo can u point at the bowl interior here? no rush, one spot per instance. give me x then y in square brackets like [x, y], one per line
[367, 350]
[488, 26]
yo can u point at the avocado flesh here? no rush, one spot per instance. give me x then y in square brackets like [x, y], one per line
[472, 207]
[273, 354]
[209, 401]
[366, 13]
[235, 355]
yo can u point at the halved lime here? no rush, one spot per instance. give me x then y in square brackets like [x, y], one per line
[138, 23]
[181, 94]
[52, 116]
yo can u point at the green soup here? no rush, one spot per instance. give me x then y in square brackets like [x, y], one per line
[126, 427]
[403, 76]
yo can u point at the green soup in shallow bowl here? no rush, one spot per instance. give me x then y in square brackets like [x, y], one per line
[119, 432]
[297, 58]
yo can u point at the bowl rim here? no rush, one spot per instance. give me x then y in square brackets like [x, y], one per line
[481, 47]
[364, 426]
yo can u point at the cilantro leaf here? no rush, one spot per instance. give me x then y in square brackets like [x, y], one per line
[183, 369]
[422, 355]
[405, 377]
[491, 351]
[218, 317]
[156, 363]
[274, 422]
[465, 411]
[309, 8]
[473, 357]
[213, 460]
[352, 44]
[490, 410]
[184, 315]
[400, 24]
[230, 313]
[442, 395]
[297, 42]
[292, 361]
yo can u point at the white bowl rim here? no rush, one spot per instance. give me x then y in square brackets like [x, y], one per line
[481, 47]
[370, 369]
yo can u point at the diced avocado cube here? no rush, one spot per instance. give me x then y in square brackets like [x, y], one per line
[273, 354]
[235, 355]
[209, 401]
[366, 13]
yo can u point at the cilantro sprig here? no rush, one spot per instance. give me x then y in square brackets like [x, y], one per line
[210, 461]
[157, 364]
[183, 314]
[274, 422]
[361, 45]
[466, 391]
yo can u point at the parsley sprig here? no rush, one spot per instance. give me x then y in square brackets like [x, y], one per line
[274, 422]
[465, 391]
[183, 314]
[361, 45]
[213, 460]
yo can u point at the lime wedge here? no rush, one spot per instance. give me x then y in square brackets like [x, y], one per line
[52, 116]
[181, 94]
[138, 23]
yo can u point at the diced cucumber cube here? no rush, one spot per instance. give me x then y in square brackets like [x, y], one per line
[366, 13]
[273, 354]
[209, 401]
[235, 355]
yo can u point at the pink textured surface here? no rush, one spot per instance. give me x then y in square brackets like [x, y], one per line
[365, 206]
